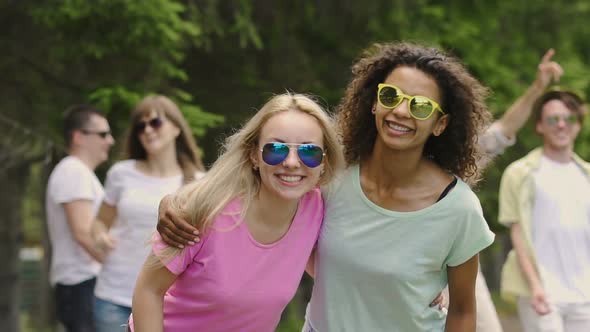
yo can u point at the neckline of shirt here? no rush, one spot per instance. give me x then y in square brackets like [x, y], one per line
[448, 199]
[152, 177]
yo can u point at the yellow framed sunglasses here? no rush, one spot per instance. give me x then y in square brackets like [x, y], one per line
[421, 108]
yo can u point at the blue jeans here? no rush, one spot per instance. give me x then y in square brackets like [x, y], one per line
[74, 305]
[110, 317]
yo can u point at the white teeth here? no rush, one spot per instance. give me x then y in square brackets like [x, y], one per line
[290, 178]
[398, 128]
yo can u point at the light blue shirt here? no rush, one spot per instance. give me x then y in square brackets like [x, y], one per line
[378, 270]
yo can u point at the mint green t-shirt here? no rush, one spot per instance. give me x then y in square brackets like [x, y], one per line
[378, 270]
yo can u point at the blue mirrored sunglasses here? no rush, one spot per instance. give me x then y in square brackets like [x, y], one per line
[275, 153]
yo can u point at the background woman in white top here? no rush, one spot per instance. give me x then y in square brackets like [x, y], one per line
[161, 156]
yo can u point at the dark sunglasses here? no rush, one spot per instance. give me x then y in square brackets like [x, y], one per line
[421, 108]
[155, 123]
[568, 119]
[102, 134]
[275, 153]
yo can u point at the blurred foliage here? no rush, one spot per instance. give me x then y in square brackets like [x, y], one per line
[111, 53]
[221, 59]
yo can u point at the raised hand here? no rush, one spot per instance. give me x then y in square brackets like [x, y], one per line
[548, 71]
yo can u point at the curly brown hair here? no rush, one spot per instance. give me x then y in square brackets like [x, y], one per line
[463, 98]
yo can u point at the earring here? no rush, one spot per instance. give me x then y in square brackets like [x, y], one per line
[373, 110]
[255, 168]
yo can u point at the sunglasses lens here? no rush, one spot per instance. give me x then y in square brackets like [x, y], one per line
[140, 126]
[389, 97]
[155, 123]
[420, 107]
[553, 120]
[274, 153]
[311, 155]
[571, 119]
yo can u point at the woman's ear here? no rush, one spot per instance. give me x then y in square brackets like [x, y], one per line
[254, 159]
[323, 166]
[441, 125]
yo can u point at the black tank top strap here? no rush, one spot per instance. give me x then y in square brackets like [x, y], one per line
[448, 189]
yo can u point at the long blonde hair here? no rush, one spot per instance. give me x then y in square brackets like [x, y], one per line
[232, 175]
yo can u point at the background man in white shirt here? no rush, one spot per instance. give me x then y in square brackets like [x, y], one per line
[73, 196]
[545, 200]
[500, 135]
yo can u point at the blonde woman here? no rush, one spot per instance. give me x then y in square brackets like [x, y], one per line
[161, 156]
[260, 210]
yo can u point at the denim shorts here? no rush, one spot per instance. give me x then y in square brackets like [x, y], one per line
[110, 317]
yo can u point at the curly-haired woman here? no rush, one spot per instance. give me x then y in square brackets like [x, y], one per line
[402, 221]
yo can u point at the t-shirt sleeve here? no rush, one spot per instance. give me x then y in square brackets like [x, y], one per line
[73, 182]
[494, 142]
[508, 208]
[114, 184]
[473, 234]
[176, 263]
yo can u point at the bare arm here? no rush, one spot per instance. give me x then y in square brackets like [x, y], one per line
[103, 222]
[106, 215]
[148, 297]
[538, 300]
[462, 312]
[175, 231]
[80, 216]
[519, 112]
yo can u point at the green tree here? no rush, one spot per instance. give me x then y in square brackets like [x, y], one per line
[55, 54]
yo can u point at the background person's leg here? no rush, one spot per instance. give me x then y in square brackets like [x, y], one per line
[533, 322]
[487, 318]
[109, 316]
[576, 317]
[75, 306]
[63, 305]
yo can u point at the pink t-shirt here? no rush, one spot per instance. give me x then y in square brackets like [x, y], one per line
[230, 282]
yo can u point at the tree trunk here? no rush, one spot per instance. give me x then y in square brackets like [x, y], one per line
[13, 186]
